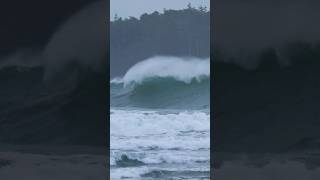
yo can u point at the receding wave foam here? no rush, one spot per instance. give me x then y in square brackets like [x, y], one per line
[164, 82]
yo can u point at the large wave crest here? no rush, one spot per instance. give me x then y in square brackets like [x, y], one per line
[164, 82]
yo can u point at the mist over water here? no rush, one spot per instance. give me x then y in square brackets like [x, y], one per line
[160, 122]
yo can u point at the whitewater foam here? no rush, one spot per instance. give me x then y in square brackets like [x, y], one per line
[163, 141]
[150, 130]
[155, 123]
[116, 80]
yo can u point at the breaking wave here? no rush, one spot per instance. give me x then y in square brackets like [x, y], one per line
[164, 82]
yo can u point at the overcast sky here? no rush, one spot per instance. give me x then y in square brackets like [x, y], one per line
[126, 8]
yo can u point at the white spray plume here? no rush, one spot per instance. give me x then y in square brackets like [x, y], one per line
[181, 69]
[80, 40]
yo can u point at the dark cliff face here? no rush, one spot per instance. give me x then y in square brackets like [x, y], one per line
[175, 32]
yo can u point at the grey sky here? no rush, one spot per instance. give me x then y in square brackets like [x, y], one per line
[126, 8]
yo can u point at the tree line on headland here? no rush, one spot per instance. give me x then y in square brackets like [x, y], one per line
[183, 32]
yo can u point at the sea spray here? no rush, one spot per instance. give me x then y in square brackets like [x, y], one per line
[181, 69]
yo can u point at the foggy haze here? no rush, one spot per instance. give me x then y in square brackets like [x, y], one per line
[244, 28]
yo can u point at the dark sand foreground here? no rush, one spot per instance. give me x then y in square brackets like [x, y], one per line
[295, 166]
[52, 163]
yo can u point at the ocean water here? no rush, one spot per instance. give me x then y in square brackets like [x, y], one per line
[160, 120]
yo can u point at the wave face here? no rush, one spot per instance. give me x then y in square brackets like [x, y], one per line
[57, 93]
[42, 114]
[164, 82]
[160, 122]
